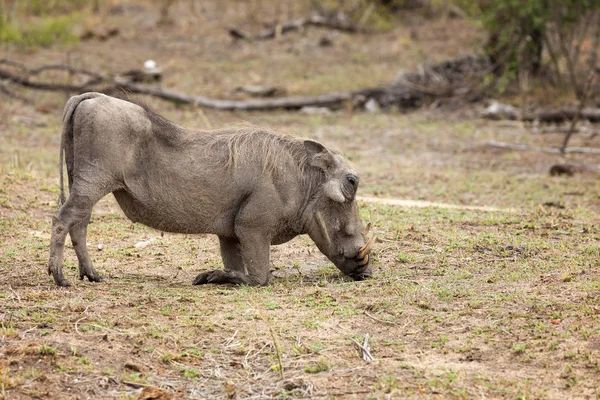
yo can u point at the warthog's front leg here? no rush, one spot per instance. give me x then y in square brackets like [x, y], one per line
[246, 262]
[231, 253]
[79, 239]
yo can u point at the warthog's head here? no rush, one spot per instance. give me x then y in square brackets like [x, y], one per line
[335, 225]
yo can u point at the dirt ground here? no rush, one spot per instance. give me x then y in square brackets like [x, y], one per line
[464, 303]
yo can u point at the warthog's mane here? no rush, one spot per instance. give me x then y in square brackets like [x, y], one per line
[247, 143]
[243, 143]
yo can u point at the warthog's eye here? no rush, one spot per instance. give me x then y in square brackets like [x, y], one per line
[352, 179]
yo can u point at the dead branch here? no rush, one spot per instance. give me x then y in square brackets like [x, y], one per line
[49, 67]
[22, 78]
[500, 111]
[448, 79]
[260, 91]
[337, 21]
[543, 149]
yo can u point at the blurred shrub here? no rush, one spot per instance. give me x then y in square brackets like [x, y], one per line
[35, 23]
[519, 31]
[44, 32]
[373, 14]
[51, 7]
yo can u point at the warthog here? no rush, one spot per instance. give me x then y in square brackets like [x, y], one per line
[250, 187]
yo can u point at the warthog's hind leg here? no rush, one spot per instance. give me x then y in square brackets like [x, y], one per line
[79, 239]
[75, 210]
[251, 255]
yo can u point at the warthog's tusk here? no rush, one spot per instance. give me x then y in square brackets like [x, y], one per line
[368, 246]
[321, 223]
[365, 261]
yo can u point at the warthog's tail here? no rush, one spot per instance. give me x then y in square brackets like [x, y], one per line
[67, 130]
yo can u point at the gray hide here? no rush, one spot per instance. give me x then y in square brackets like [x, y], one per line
[251, 188]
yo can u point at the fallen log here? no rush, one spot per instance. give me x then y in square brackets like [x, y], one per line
[337, 21]
[499, 111]
[290, 103]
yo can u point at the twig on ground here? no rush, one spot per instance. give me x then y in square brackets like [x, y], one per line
[135, 385]
[335, 394]
[112, 331]
[231, 339]
[366, 354]
[16, 294]
[380, 320]
[278, 352]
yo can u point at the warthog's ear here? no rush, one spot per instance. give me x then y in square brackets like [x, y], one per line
[318, 155]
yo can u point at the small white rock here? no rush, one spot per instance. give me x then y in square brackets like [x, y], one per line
[150, 64]
[372, 106]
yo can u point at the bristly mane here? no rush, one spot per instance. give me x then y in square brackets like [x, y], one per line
[247, 142]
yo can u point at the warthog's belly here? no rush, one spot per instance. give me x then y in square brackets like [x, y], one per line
[168, 217]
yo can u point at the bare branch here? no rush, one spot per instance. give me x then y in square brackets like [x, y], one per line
[338, 22]
[500, 111]
[543, 149]
[585, 91]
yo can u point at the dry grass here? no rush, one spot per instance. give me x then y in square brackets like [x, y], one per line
[464, 304]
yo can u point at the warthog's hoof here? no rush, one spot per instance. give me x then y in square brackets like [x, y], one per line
[216, 276]
[58, 277]
[91, 277]
[62, 282]
[202, 278]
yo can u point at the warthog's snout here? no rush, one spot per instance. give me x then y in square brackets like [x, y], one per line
[359, 266]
